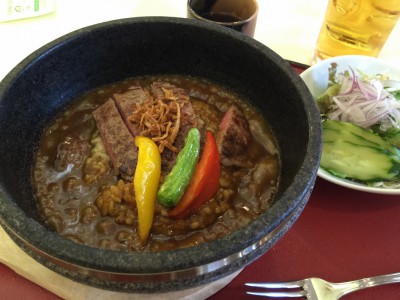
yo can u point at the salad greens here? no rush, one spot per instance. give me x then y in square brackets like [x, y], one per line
[371, 103]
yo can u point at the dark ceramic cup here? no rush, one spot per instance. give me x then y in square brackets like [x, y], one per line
[240, 15]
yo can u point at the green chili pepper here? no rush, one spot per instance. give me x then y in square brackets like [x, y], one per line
[178, 179]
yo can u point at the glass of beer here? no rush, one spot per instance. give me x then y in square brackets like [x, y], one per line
[359, 27]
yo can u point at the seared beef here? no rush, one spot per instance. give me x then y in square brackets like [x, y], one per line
[72, 151]
[233, 137]
[117, 139]
[126, 103]
[165, 91]
[117, 131]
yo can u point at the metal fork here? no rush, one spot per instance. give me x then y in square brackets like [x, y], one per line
[319, 289]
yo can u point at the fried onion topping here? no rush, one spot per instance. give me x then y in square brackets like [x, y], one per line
[159, 119]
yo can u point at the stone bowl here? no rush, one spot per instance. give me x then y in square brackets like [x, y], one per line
[44, 83]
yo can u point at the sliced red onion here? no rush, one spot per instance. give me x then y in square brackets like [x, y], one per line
[366, 103]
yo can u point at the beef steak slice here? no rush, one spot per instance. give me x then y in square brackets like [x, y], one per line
[126, 103]
[117, 139]
[233, 137]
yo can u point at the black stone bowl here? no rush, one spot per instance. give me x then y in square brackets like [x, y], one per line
[43, 84]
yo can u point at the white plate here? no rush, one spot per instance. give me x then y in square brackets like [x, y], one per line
[316, 79]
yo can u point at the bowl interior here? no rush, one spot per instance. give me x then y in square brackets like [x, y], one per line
[45, 82]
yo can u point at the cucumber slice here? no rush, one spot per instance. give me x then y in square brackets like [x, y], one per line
[350, 151]
[331, 135]
[355, 134]
[359, 162]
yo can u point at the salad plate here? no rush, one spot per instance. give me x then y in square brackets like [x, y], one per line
[317, 78]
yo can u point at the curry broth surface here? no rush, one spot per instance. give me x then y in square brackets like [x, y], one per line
[67, 202]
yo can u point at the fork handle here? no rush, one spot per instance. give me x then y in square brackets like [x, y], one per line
[356, 285]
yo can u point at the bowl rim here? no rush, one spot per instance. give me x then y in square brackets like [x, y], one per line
[127, 262]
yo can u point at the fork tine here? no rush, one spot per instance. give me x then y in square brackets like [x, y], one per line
[294, 294]
[277, 285]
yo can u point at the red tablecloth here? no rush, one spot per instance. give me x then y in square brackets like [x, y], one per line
[341, 235]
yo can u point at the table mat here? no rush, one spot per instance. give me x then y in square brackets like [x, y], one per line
[16, 259]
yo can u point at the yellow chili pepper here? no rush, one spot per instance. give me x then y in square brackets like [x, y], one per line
[145, 182]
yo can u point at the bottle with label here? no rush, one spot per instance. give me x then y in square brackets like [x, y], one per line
[20, 9]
